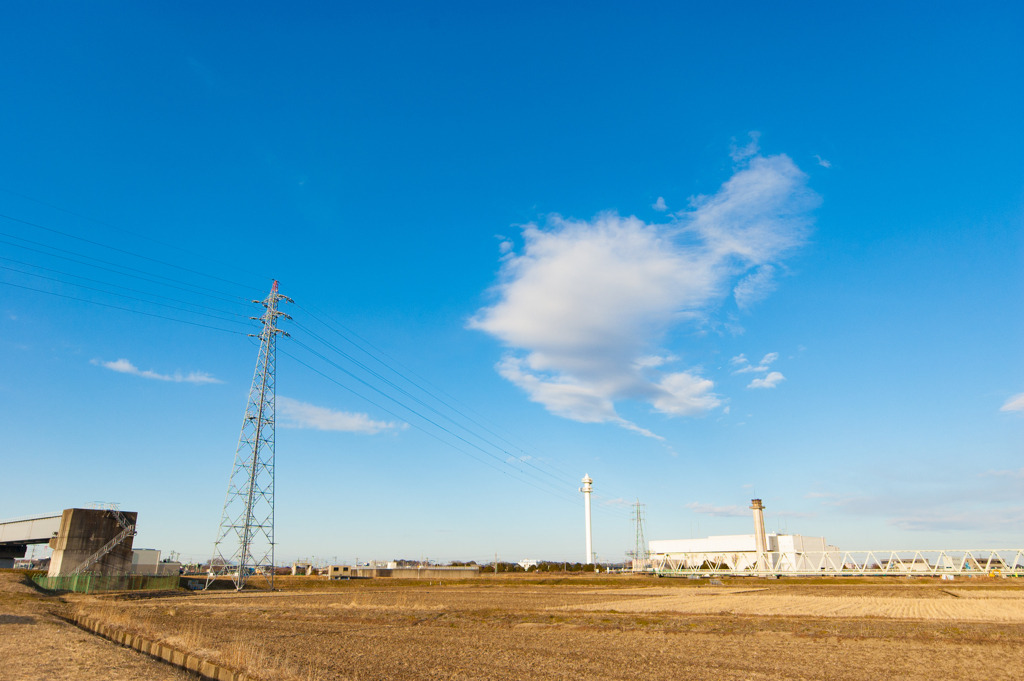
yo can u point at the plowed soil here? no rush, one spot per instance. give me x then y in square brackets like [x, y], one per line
[590, 628]
[36, 643]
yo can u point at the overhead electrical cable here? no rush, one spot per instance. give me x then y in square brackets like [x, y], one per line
[568, 476]
[121, 295]
[420, 428]
[404, 406]
[113, 264]
[454, 399]
[107, 283]
[424, 404]
[136, 234]
[121, 250]
[117, 307]
[407, 393]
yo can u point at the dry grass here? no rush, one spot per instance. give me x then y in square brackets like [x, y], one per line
[513, 628]
[35, 643]
[509, 627]
[973, 607]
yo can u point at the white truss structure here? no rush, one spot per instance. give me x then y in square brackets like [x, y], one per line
[921, 563]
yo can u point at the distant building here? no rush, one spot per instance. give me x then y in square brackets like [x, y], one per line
[528, 563]
[147, 562]
[783, 552]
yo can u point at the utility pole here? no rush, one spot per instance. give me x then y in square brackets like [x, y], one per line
[245, 539]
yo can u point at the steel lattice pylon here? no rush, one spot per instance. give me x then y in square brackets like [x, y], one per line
[640, 554]
[245, 540]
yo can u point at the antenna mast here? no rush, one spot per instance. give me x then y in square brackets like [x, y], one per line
[245, 540]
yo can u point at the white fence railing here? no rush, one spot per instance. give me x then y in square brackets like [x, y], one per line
[938, 562]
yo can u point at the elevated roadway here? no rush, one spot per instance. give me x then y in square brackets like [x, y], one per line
[17, 533]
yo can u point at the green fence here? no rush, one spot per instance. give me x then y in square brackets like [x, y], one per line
[88, 583]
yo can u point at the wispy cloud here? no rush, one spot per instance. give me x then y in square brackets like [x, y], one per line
[586, 301]
[822, 162]
[710, 509]
[123, 366]
[745, 367]
[819, 495]
[1005, 519]
[740, 154]
[1015, 403]
[298, 414]
[660, 205]
[1004, 474]
[769, 381]
[755, 287]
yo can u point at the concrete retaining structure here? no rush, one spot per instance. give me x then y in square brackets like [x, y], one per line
[83, 532]
[205, 668]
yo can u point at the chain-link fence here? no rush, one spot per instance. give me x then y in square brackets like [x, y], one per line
[88, 583]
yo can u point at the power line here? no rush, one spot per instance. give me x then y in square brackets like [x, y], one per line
[114, 264]
[136, 234]
[568, 476]
[121, 295]
[413, 397]
[107, 283]
[417, 427]
[121, 250]
[116, 307]
[428, 420]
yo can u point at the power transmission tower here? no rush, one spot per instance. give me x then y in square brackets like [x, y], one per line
[245, 540]
[640, 554]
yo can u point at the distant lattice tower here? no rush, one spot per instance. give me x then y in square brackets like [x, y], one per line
[640, 553]
[245, 540]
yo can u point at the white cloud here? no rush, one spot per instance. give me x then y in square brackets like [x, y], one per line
[1006, 519]
[769, 381]
[710, 509]
[726, 410]
[755, 287]
[123, 366]
[585, 303]
[660, 205]
[1015, 403]
[822, 162]
[741, 154]
[747, 368]
[1005, 474]
[303, 415]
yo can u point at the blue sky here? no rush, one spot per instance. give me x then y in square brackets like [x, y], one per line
[700, 253]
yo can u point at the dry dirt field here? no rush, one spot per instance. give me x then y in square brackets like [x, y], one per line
[36, 644]
[515, 627]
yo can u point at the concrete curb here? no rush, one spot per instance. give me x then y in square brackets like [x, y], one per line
[205, 668]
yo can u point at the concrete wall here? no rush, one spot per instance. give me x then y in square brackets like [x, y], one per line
[83, 532]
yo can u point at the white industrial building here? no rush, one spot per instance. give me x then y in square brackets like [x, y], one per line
[759, 552]
[783, 552]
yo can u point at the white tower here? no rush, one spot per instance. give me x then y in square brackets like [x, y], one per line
[586, 489]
